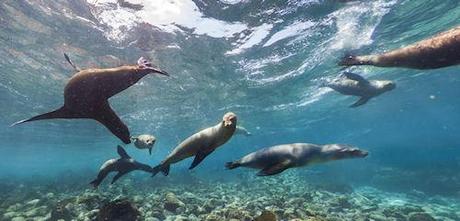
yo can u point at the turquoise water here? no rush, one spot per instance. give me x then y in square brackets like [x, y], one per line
[264, 61]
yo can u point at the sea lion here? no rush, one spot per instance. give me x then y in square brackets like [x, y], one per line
[242, 131]
[200, 144]
[439, 51]
[87, 92]
[123, 165]
[353, 84]
[144, 141]
[276, 159]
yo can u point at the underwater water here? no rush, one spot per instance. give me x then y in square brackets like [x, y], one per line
[263, 60]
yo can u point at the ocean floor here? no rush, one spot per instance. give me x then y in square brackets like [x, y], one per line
[184, 197]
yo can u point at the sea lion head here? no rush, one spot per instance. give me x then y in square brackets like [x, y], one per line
[386, 85]
[229, 119]
[146, 65]
[343, 151]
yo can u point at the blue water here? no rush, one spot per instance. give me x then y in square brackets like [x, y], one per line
[264, 61]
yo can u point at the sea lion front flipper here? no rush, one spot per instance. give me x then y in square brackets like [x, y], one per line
[106, 116]
[199, 157]
[360, 102]
[122, 152]
[117, 176]
[356, 77]
[275, 169]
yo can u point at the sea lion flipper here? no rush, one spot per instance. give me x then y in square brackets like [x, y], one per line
[275, 169]
[199, 157]
[117, 176]
[59, 113]
[163, 168]
[122, 152]
[107, 117]
[360, 102]
[355, 77]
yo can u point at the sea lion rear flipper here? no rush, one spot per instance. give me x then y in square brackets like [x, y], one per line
[360, 102]
[122, 152]
[275, 169]
[59, 113]
[109, 119]
[117, 176]
[355, 77]
[163, 168]
[199, 157]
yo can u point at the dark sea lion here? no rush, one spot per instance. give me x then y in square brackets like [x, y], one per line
[439, 51]
[200, 144]
[353, 84]
[144, 141]
[276, 159]
[123, 165]
[87, 92]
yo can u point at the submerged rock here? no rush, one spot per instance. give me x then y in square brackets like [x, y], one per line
[420, 217]
[118, 210]
[60, 212]
[266, 216]
[172, 202]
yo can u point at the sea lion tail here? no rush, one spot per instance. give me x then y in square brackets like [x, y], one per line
[232, 165]
[71, 63]
[59, 113]
[161, 168]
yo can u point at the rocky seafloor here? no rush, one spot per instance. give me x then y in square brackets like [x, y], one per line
[189, 198]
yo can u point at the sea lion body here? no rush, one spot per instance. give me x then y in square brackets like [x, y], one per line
[354, 84]
[276, 159]
[123, 165]
[439, 51]
[87, 92]
[200, 144]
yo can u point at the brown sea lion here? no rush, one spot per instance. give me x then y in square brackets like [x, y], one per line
[353, 84]
[439, 51]
[122, 165]
[200, 144]
[274, 160]
[87, 92]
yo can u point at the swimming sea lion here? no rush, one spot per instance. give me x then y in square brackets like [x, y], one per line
[87, 92]
[439, 51]
[144, 141]
[353, 84]
[123, 165]
[242, 131]
[276, 159]
[200, 144]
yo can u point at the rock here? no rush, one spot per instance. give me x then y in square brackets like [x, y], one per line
[19, 218]
[266, 216]
[33, 202]
[420, 217]
[60, 212]
[171, 202]
[118, 210]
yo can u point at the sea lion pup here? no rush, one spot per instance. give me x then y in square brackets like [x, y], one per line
[439, 51]
[87, 92]
[276, 159]
[144, 141]
[200, 144]
[242, 131]
[123, 165]
[353, 84]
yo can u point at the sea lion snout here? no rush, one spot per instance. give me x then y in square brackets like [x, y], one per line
[145, 64]
[389, 85]
[229, 119]
[353, 153]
